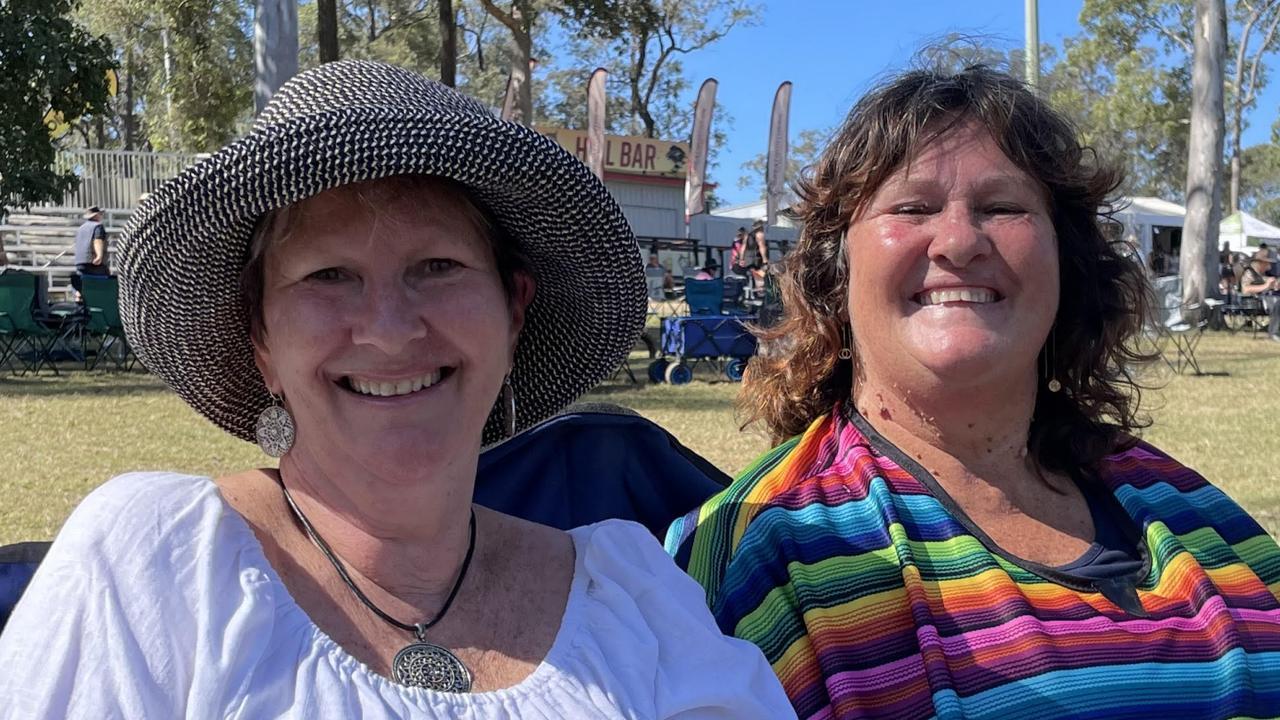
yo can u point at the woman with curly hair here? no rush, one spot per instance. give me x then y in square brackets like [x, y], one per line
[964, 523]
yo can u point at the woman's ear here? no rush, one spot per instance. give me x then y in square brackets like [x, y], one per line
[262, 358]
[522, 293]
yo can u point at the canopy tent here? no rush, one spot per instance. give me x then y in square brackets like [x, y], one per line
[1244, 232]
[1154, 228]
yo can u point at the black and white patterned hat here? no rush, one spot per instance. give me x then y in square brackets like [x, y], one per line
[182, 253]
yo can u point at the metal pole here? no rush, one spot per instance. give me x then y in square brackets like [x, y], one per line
[1033, 43]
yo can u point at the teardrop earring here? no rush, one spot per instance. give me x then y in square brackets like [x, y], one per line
[275, 431]
[846, 344]
[1050, 369]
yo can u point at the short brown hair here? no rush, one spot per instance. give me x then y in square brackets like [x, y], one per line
[797, 378]
[274, 227]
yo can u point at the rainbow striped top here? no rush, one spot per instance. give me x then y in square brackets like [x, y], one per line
[838, 556]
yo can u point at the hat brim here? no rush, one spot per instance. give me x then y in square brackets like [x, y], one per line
[182, 254]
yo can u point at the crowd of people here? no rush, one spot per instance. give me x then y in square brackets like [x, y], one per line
[958, 518]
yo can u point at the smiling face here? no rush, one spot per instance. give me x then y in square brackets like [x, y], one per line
[387, 329]
[953, 269]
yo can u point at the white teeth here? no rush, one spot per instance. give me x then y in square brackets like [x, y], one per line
[390, 389]
[969, 295]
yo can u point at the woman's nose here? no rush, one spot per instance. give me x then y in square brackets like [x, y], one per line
[959, 238]
[390, 318]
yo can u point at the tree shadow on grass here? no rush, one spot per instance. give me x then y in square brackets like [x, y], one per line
[80, 382]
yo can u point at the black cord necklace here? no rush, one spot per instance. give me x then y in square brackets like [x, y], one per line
[421, 663]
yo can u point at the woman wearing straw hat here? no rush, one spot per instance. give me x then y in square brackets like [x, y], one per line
[377, 279]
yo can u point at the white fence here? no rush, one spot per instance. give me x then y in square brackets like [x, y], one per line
[117, 178]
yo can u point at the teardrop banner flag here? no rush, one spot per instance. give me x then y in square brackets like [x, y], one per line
[596, 121]
[775, 174]
[695, 179]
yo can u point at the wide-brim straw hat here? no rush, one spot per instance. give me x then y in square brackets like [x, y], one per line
[181, 256]
[1263, 256]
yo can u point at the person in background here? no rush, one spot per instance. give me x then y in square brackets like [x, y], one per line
[959, 519]
[736, 250]
[1256, 281]
[710, 271]
[90, 254]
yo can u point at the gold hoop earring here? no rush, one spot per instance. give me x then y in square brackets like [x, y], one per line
[1050, 369]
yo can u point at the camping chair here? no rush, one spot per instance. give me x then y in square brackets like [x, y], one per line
[591, 463]
[22, 331]
[1174, 334]
[102, 297]
[735, 292]
[704, 297]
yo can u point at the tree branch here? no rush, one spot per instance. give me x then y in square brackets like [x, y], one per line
[1267, 39]
[503, 17]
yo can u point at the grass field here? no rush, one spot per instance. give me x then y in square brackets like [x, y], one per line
[66, 435]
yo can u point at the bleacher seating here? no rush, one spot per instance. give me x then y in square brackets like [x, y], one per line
[43, 241]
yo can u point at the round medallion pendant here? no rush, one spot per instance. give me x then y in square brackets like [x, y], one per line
[431, 667]
[275, 431]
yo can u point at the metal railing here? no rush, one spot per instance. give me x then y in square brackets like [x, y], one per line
[117, 178]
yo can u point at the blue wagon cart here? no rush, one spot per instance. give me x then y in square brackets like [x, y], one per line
[720, 341]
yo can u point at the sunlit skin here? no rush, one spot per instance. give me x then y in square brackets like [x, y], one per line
[953, 381]
[407, 290]
[385, 288]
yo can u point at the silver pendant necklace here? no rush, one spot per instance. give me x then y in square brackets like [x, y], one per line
[421, 663]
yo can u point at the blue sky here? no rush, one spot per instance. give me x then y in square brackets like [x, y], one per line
[833, 51]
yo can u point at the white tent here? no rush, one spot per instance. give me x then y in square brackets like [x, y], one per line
[1148, 222]
[1244, 232]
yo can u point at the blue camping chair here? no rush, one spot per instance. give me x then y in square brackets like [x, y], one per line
[704, 297]
[593, 462]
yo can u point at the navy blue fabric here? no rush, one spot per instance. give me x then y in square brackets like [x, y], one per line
[1114, 553]
[708, 336]
[17, 565]
[580, 468]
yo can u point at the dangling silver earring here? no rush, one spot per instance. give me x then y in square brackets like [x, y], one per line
[1050, 371]
[275, 431]
[846, 347]
[509, 405]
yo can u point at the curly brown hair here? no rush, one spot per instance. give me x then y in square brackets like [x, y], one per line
[1105, 297]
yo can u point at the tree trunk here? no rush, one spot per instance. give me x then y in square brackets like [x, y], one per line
[1199, 258]
[327, 29]
[520, 70]
[128, 95]
[448, 44]
[275, 47]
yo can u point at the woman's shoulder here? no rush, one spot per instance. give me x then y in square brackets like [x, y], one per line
[119, 510]
[638, 605]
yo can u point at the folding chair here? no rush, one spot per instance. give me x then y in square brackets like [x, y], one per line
[704, 297]
[23, 332]
[734, 292]
[102, 297]
[1175, 335]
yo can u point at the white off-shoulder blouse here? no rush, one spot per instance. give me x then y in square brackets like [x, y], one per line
[157, 601]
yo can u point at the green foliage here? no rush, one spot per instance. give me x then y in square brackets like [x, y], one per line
[802, 152]
[205, 95]
[47, 62]
[1261, 182]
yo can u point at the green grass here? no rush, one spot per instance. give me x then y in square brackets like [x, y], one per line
[65, 435]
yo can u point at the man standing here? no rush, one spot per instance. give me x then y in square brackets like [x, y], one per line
[91, 247]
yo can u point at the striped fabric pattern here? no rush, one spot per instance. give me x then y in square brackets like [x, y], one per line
[871, 600]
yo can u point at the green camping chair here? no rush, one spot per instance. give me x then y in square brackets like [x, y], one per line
[26, 341]
[101, 295]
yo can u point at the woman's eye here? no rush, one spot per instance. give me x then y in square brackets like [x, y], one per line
[911, 209]
[1004, 209]
[439, 265]
[328, 275]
